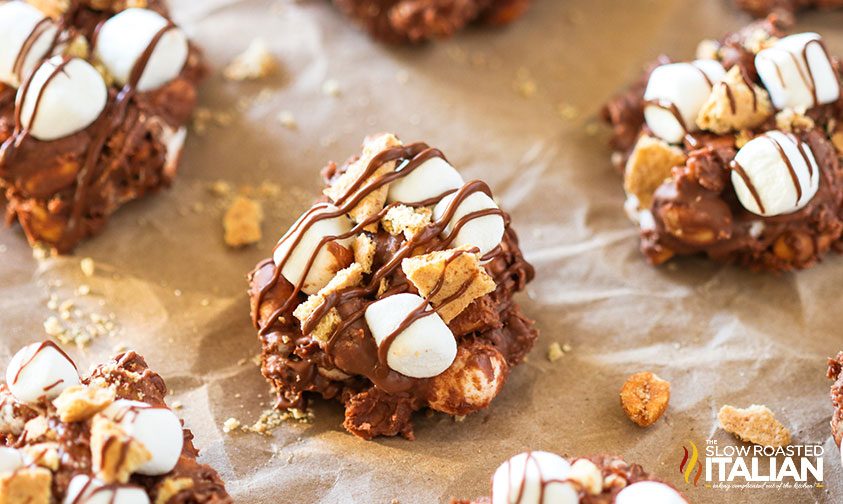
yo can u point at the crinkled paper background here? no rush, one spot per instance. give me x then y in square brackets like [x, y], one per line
[720, 335]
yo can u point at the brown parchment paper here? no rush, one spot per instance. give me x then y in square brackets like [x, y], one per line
[515, 107]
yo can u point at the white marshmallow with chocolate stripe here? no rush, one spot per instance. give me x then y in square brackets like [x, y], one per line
[798, 73]
[11, 459]
[124, 38]
[426, 348]
[683, 86]
[304, 240]
[649, 492]
[533, 478]
[86, 490]
[40, 370]
[430, 179]
[159, 430]
[770, 163]
[68, 99]
[22, 28]
[484, 232]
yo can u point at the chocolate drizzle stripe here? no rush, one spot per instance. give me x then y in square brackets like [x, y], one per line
[41, 347]
[749, 84]
[522, 480]
[734, 165]
[37, 31]
[790, 168]
[670, 107]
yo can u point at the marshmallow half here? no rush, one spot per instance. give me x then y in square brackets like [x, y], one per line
[485, 232]
[40, 370]
[11, 459]
[676, 93]
[430, 179]
[797, 72]
[159, 430]
[302, 242]
[124, 38]
[426, 348]
[22, 28]
[780, 174]
[71, 98]
[533, 478]
[649, 492]
[86, 490]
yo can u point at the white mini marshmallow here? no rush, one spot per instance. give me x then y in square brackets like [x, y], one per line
[40, 370]
[72, 100]
[124, 38]
[432, 178]
[424, 349]
[84, 490]
[11, 460]
[537, 477]
[769, 173]
[484, 232]
[157, 429]
[22, 24]
[687, 86]
[796, 70]
[649, 492]
[325, 265]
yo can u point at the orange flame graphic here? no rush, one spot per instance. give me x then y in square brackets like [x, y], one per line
[690, 461]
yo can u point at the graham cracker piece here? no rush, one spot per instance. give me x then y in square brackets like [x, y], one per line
[256, 62]
[375, 200]
[38, 428]
[242, 222]
[115, 454]
[43, 455]
[458, 266]
[364, 251]
[31, 485]
[734, 106]
[79, 403]
[791, 120]
[649, 165]
[755, 424]
[171, 487]
[407, 220]
[345, 278]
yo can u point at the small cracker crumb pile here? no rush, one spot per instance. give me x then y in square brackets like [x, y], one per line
[256, 62]
[755, 424]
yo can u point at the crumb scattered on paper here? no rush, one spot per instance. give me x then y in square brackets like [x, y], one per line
[242, 222]
[256, 62]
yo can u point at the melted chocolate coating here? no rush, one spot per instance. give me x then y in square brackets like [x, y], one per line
[63, 191]
[132, 379]
[414, 21]
[348, 368]
[697, 212]
[612, 467]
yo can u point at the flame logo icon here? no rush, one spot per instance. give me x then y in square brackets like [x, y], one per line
[690, 462]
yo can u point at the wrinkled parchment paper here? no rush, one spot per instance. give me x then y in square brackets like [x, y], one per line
[517, 108]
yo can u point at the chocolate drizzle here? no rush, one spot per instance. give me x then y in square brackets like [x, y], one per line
[427, 240]
[803, 67]
[40, 348]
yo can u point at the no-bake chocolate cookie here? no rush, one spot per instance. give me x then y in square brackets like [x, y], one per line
[93, 108]
[394, 293]
[761, 8]
[542, 477]
[737, 154]
[108, 437]
[414, 21]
